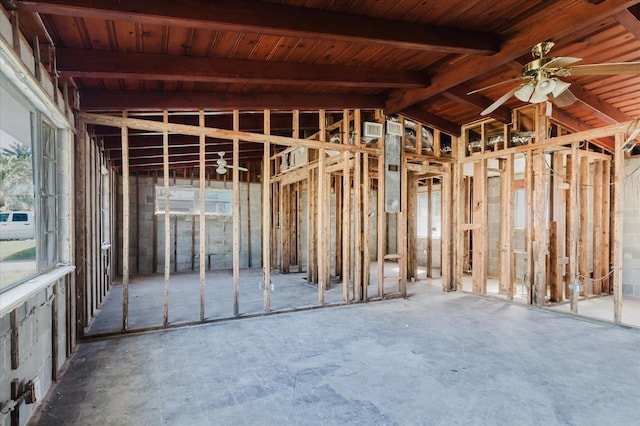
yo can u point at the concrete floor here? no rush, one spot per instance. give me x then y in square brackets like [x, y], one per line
[434, 358]
[600, 307]
[291, 291]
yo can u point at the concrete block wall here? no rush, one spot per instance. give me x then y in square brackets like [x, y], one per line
[35, 348]
[185, 230]
[493, 226]
[631, 229]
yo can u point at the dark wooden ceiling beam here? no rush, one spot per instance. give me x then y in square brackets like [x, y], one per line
[569, 122]
[424, 117]
[124, 65]
[108, 100]
[630, 21]
[603, 110]
[274, 19]
[573, 18]
[477, 102]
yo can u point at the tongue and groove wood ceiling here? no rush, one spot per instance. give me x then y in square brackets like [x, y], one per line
[416, 57]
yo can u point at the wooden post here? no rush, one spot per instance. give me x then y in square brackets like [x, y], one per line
[322, 212]
[357, 222]
[266, 214]
[167, 218]
[366, 227]
[346, 210]
[618, 205]
[125, 224]
[202, 218]
[540, 231]
[459, 204]
[430, 226]
[597, 227]
[583, 241]
[401, 227]
[337, 223]
[529, 190]
[80, 227]
[606, 227]
[446, 252]
[412, 225]
[480, 229]
[506, 227]
[572, 226]
[381, 234]
[236, 215]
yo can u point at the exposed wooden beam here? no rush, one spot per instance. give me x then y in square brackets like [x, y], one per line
[569, 122]
[604, 110]
[277, 20]
[107, 100]
[478, 102]
[547, 26]
[630, 19]
[124, 65]
[432, 120]
[248, 122]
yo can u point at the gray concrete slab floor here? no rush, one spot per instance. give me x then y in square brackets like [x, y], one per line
[290, 291]
[431, 359]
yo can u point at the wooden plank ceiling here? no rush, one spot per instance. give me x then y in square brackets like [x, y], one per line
[416, 57]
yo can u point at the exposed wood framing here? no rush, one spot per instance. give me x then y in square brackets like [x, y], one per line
[480, 233]
[346, 211]
[618, 206]
[266, 214]
[236, 216]
[583, 238]
[506, 227]
[167, 219]
[125, 223]
[202, 231]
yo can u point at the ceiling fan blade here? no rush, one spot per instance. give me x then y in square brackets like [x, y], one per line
[565, 99]
[500, 101]
[499, 84]
[561, 61]
[606, 69]
[242, 169]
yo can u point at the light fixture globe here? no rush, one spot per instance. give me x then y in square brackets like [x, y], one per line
[561, 86]
[221, 170]
[524, 92]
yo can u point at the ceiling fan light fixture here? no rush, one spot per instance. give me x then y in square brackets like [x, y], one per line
[221, 170]
[524, 92]
[561, 86]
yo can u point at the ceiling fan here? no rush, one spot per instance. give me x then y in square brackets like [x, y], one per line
[542, 82]
[222, 166]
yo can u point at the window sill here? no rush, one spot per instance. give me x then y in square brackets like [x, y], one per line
[13, 298]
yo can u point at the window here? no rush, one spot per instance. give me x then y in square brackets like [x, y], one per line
[28, 188]
[186, 201]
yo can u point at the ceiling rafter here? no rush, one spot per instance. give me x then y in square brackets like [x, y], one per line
[578, 16]
[604, 110]
[420, 115]
[630, 21]
[112, 65]
[573, 124]
[478, 102]
[275, 19]
[109, 100]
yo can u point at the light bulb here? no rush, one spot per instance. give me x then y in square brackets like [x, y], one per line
[221, 170]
